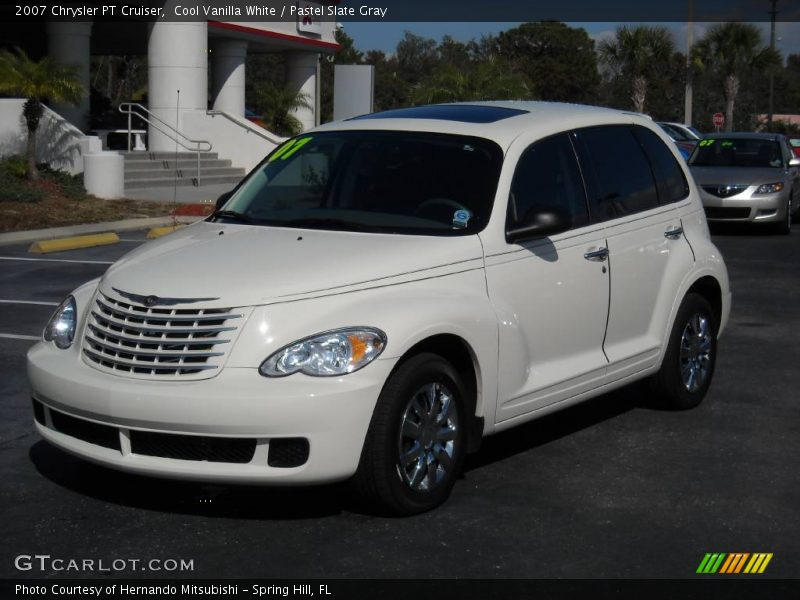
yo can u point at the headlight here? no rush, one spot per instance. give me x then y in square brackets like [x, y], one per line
[327, 354]
[61, 327]
[770, 188]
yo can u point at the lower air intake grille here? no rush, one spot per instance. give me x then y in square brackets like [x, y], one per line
[93, 433]
[288, 452]
[193, 447]
[727, 212]
[38, 412]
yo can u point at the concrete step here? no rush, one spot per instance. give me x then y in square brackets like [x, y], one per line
[183, 173]
[137, 156]
[161, 165]
[166, 182]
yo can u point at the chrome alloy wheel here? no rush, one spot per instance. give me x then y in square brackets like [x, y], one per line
[696, 344]
[428, 433]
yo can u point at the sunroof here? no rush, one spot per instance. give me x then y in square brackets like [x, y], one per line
[466, 113]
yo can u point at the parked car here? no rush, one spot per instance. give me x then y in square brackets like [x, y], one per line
[382, 292]
[748, 177]
[685, 139]
[687, 131]
[794, 142]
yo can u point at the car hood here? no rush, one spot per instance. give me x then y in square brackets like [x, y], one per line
[231, 265]
[736, 175]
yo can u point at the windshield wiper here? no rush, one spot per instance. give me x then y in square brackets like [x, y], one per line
[234, 215]
[326, 223]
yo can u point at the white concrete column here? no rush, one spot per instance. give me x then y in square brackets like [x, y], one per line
[228, 75]
[177, 61]
[68, 43]
[301, 75]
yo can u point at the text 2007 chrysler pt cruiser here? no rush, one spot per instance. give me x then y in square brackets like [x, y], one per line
[382, 292]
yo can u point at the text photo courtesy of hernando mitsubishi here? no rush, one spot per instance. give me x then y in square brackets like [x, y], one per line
[372, 300]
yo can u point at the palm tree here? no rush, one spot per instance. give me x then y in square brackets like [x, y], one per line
[277, 105]
[637, 53]
[730, 50]
[484, 81]
[37, 81]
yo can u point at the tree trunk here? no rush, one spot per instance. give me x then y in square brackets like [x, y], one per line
[639, 93]
[730, 91]
[32, 111]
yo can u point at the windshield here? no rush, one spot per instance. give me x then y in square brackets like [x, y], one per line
[373, 181]
[675, 133]
[737, 152]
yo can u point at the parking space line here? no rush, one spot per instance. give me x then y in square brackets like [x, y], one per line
[36, 302]
[64, 260]
[16, 336]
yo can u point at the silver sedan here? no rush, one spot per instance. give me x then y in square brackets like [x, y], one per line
[748, 177]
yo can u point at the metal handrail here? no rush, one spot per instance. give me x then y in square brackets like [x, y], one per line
[245, 124]
[128, 108]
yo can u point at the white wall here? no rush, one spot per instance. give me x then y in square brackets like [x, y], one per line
[58, 142]
[237, 139]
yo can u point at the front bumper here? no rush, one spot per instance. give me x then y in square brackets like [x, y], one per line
[331, 413]
[746, 206]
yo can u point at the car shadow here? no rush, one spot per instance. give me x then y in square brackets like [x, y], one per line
[742, 229]
[289, 503]
[557, 425]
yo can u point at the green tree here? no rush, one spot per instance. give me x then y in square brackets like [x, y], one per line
[637, 55]
[277, 105]
[482, 81]
[729, 52]
[37, 81]
[558, 60]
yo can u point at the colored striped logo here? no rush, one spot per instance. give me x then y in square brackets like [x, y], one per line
[736, 562]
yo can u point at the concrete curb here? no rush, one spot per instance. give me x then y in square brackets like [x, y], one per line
[73, 243]
[36, 235]
[157, 232]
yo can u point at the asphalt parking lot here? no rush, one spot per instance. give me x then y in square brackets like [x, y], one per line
[611, 488]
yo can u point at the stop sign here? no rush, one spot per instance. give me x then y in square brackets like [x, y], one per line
[719, 119]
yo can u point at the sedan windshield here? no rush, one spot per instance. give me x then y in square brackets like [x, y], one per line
[372, 181]
[737, 152]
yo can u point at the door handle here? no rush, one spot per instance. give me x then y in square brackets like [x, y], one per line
[598, 255]
[674, 233]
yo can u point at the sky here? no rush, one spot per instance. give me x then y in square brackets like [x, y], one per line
[384, 35]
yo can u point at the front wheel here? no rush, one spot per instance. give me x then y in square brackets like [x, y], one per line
[415, 444]
[688, 367]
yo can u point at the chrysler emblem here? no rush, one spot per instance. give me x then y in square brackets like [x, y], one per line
[150, 301]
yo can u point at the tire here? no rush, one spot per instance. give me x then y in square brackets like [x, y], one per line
[688, 367]
[785, 226]
[400, 428]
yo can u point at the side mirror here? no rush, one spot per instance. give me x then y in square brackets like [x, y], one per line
[539, 223]
[794, 162]
[222, 200]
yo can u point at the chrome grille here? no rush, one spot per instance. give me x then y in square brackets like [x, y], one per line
[130, 338]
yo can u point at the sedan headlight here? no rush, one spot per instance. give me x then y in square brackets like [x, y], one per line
[61, 327]
[327, 354]
[770, 188]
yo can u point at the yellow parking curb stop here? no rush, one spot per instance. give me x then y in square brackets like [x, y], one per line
[159, 231]
[73, 243]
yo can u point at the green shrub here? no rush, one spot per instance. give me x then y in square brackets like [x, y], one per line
[70, 185]
[15, 189]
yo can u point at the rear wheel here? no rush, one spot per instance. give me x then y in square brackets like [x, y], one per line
[415, 444]
[688, 367]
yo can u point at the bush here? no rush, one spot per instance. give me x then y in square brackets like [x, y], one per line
[70, 185]
[13, 185]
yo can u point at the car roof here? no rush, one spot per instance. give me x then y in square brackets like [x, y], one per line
[741, 135]
[500, 121]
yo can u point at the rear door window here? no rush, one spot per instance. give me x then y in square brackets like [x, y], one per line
[618, 176]
[670, 180]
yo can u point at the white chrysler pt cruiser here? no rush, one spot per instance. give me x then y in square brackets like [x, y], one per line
[381, 292]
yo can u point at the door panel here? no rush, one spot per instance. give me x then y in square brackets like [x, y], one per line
[552, 306]
[646, 268]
